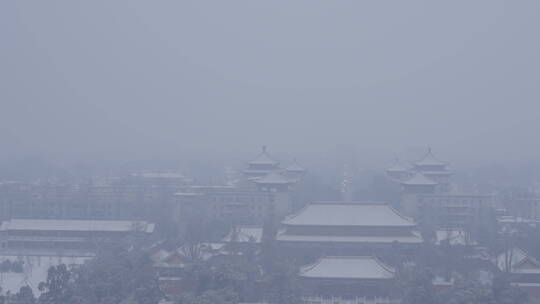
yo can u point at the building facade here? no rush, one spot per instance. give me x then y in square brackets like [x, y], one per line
[348, 280]
[347, 228]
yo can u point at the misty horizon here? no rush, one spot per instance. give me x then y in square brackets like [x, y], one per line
[179, 80]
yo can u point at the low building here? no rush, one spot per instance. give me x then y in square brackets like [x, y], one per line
[227, 204]
[27, 236]
[523, 271]
[455, 210]
[348, 280]
[128, 199]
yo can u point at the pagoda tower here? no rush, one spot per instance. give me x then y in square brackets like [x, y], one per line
[412, 189]
[434, 169]
[261, 166]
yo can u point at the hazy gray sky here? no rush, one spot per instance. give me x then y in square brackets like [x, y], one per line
[139, 79]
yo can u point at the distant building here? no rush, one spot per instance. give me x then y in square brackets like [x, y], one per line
[413, 189]
[523, 269]
[398, 171]
[526, 208]
[227, 204]
[348, 279]
[455, 210]
[261, 165]
[435, 170]
[428, 166]
[347, 228]
[295, 171]
[426, 194]
[46, 237]
[263, 189]
[129, 199]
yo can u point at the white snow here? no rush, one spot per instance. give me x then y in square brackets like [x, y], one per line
[357, 267]
[264, 159]
[34, 270]
[349, 214]
[77, 225]
[453, 236]
[246, 234]
[411, 239]
[520, 261]
[430, 160]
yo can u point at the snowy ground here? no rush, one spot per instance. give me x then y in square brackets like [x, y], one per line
[34, 270]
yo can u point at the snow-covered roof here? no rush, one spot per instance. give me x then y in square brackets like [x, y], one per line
[397, 166]
[35, 268]
[437, 173]
[77, 225]
[402, 239]
[518, 261]
[419, 179]
[264, 159]
[442, 281]
[348, 267]
[348, 214]
[295, 167]
[203, 251]
[454, 237]
[273, 177]
[430, 160]
[246, 234]
[164, 175]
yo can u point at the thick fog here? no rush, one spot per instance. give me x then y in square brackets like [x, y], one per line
[117, 80]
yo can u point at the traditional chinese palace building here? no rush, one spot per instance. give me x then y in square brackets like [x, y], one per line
[347, 228]
[348, 280]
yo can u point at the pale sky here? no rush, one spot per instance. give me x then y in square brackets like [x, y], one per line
[164, 79]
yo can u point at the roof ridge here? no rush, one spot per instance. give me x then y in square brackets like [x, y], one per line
[384, 265]
[348, 203]
[401, 215]
[296, 213]
[309, 267]
[348, 257]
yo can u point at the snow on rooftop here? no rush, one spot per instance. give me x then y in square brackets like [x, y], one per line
[264, 159]
[419, 179]
[245, 234]
[77, 225]
[430, 160]
[356, 267]
[402, 239]
[518, 261]
[397, 166]
[295, 167]
[453, 237]
[163, 175]
[34, 270]
[348, 214]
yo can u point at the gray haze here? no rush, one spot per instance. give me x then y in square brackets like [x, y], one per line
[132, 79]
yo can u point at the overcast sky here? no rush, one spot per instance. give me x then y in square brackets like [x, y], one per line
[142, 79]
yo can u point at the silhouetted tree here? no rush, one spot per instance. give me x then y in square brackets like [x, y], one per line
[56, 289]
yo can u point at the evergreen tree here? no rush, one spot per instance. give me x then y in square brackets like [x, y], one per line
[56, 289]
